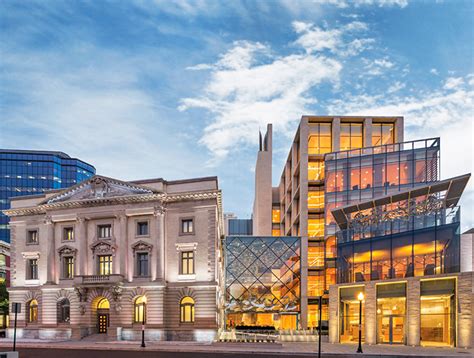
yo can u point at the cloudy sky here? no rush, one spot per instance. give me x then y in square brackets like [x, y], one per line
[179, 89]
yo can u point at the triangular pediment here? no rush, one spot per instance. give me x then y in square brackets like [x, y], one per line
[98, 187]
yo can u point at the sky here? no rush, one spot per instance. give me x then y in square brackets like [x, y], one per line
[180, 89]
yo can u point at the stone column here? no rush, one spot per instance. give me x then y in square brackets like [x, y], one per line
[370, 313]
[51, 247]
[413, 312]
[399, 130]
[158, 252]
[334, 314]
[121, 264]
[367, 132]
[465, 312]
[83, 246]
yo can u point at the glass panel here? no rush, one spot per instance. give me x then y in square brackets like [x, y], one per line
[315, 199]
[316, 255]
[315, 227]
[391, 320]
[276, 215]
[350, 318]
[315, 283]
[437, 320]
[316, 170]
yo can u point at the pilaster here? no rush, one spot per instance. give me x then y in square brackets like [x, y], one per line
[51, 247]
[413, 312]
[336, 134]
[370, 313]
[83, 247]
[367, 132]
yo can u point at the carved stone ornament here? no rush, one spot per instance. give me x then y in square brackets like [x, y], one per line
[67, 250]
[103, 248]
[81, 293]
[116, 292]
[142, 246]
[82, 309]
[48, 220]
[159, 210]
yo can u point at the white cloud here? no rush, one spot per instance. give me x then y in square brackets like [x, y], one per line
[397, 86]
[453, 83]
[434, 71]
[378, 66]
[244, 95]
[357, 3]
[338, 40]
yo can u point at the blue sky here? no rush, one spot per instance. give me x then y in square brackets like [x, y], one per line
[179, 89]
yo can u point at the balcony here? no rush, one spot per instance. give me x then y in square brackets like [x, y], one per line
[97, 280]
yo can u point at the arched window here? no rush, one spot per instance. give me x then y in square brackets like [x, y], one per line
[140, 310]
[64, 311]
[32, 311]
[103, 304]
[187, 309]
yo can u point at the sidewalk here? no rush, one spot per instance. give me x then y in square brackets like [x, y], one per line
[300, 349]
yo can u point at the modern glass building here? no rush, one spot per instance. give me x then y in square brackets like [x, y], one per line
[29, 172]
[402, 252]
[262, 282]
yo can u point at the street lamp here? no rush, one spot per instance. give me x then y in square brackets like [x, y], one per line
[360, 297]
[143, 321]
[320, 307]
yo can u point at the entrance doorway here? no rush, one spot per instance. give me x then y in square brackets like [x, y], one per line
[391, 329]
[103, 321]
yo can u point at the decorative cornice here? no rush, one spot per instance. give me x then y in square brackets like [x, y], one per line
[127, 199]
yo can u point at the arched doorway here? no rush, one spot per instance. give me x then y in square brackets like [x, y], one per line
[103, 319]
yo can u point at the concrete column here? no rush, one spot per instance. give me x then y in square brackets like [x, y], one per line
[51, 247]
[336, 134]
[367, 132]
[304, 135]
[83, 247]
[413, 313]
[399, 130]
[370, 313]
[465, 306]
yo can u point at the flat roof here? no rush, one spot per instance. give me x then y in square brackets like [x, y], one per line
[59, 154]
[454, 188]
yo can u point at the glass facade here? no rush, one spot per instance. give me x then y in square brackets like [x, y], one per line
[32, 172]
[240, 227]
[262, 282]
[391, 313]
[404, 246]
[350, 317]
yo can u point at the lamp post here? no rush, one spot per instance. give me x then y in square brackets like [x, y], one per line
[320, 307]
[143, 321]
[360, 297]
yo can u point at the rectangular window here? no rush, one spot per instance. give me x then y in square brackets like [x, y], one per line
[349, 315]
[316, 227]
[104, 231]
[68, 269]
[315, 170]
[382, 133]
[187, 226]
[68, 234]
[32, 270]
[32, 237]
[187, 262]
[351, 136]
[319, 141]
[142, 228]
[275, 232]
[316, 199]
[276, 216]
[142, 264]
[105, 265]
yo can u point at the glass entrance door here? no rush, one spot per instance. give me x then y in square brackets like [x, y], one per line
[102, 322]
[391, 329]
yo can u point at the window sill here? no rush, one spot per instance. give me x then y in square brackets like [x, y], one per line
[142, 236]
[32, 243]
[187, 277]
[64, 241]
[32, 282]
[186, 233]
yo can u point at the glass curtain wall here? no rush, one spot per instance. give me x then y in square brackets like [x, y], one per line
[412, 253]
[262, 281]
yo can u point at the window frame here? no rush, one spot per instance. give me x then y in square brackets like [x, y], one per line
[64, 236]
[32, 270]
[187, 259]
[182, 310]
[137, 225]
[137, 264]
[28, 232]
[65, 268]
[109, 264]
[181, 223]
[61, 305]
[99, 227]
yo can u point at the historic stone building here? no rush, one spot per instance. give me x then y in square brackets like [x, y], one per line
[105, 255]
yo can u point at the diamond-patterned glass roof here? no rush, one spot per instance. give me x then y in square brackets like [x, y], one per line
[262, 274]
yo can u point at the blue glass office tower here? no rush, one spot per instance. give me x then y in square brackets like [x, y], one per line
[29, 172]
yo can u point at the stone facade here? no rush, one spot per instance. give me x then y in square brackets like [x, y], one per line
[464, 302]
[104, 215]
